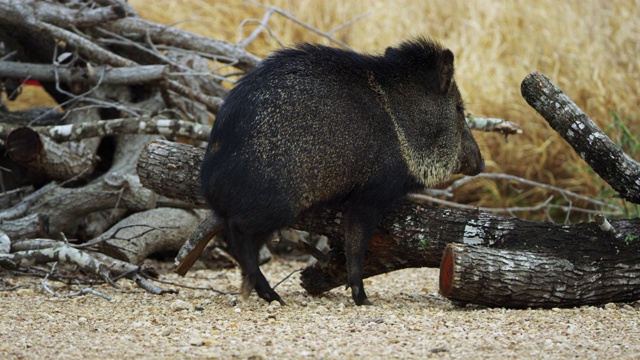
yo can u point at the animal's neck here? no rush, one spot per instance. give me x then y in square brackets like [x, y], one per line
[420, 166]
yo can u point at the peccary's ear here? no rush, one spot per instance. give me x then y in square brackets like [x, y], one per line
[445, 70]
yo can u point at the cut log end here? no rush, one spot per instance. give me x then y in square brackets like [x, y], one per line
[446, 272]
[24, 145]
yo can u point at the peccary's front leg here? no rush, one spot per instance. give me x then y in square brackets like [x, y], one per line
[361, 222]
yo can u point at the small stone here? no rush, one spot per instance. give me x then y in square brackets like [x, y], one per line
[196, 341]
[24, 292]
[180, 305]
[611, 306]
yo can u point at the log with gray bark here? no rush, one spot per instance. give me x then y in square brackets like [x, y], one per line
[604, 266]
[605, 158]
[415, 235]
[598, 270]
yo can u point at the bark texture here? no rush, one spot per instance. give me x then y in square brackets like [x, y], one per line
[541, 278]
[603, 156]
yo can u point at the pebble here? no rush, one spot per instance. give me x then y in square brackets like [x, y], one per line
[196, 341]
[24, 292]
[180, 305]
[611, 306]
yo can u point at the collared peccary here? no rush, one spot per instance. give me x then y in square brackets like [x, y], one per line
[312, 126]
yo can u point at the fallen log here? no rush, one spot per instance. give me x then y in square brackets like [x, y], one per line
[410, 234]
[43, 155]
[541, 278]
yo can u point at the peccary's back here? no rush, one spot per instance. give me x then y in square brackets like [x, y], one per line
[303, 128]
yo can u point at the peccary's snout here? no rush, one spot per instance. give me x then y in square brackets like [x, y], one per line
[471, 162]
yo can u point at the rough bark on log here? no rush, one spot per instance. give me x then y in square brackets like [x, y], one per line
[85, 76]
[171, 129]
[41, 154]
[34, 225]
[593, 146]
[410, 234]
[172, 169]
[522, 279]
[144, 233]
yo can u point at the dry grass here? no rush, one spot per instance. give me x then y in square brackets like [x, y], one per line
[588, 48]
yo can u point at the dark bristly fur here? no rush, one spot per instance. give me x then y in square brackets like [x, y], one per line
[314, 125]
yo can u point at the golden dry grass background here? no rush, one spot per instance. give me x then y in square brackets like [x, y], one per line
[588, 48]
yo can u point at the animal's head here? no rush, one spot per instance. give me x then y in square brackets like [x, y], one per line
[429, 112]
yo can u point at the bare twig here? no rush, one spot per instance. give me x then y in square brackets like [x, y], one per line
[207, 288]
[135, 28]
[86, 47]
[566, 194]
[211, 102]
[272, 9]
[605, 225]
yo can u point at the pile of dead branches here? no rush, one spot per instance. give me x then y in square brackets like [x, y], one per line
[70, 191]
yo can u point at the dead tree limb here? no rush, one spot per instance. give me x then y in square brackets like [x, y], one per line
[522, 278]
[169, 128]
[43, 155]
[603, 156]
[144, 233]
[135, 75]
[140, 30]
[98, 264]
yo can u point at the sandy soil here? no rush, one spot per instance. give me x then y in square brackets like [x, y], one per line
[409, 320]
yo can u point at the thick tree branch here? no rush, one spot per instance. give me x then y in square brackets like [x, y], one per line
[89, 76]
[522, 278]
[171, 129]
[564, 116]
[139, 29]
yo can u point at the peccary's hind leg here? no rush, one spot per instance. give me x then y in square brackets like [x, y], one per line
[361, 222]
[262, 286]
[244, 248]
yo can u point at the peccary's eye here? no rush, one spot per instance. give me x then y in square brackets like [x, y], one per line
[460, 109]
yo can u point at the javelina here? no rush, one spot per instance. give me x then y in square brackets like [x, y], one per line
[314, 125]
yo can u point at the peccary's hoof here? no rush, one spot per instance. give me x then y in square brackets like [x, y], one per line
[359, 296]
[365, 302]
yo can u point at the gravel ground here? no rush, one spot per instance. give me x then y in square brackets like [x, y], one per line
[409, 320]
